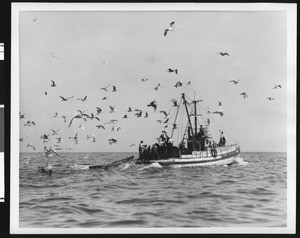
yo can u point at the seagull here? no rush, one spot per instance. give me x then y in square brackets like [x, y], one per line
[235, 81]
[55, 115]
[30, 145]
[112, 109]
[189, 83]
[171, 28]
[91, 136]
[54, 132]
[45, 138]
[21, 139]
[59, 140]
[153, 104]
[114, 88]
[219, 104]
[99, 110]
[166, 121]
[270, 98]
[105, 88]
[173, 71]
[53, 83]
[158, 87]
[129, 109]
[46, 93]
[165, 113]
[65, 99]
[104, 98]
[82, 99]
[139, 114]
[79, 116]
[74, 137]
[178, 84]
[29, 123]
[113, 121]
[112, 141]
[276, 86]
[65, 118]
[218, 112]
[92, 117]
[54, 56]
[100, 126]
[223, 53]
[244, 95]
[125, 116]
[21, 116]
[143, 80]
[35, 19]
[146, 115]
[175, 103]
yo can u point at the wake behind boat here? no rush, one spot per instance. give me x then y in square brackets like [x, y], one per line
[201, 149]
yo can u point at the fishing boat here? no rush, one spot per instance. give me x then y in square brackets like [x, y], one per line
[196, 148]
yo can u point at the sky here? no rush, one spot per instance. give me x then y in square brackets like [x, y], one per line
[133, 46]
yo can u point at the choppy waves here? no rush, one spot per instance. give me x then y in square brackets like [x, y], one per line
[250, 193]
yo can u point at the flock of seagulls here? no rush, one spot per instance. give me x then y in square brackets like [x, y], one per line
[85, 117]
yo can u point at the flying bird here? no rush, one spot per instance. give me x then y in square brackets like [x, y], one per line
[125, 116]
[171, 28]
[104, 98]
[244, 95]
[65, 118]
[276, 86]
[178, 84]
[270, 98]
[112, 141]
[21, 116]
[114, 88]
[143, 80]
[189, 83]
[30, 123]
[100, 126]
[59, 140]
[30, 145]
[158, 87]
[219, 104]
[54, 132]
[55, 57]
[223, 53]
[105, 88]
[99, 110]
[112, 109]
[35, 19]
[218, 112]
[175, 103]
[55, 115]
[82, 99]
[53, 84]
[65, 99]
[153, 104]
[146, 115]
[165, 113]
[46, 93]
[129, 109]
[131, 145]
[139, 113]
[235, 81]
[45, 138]
[173, 71]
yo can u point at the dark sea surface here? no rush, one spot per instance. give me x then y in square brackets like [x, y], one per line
[251, 193]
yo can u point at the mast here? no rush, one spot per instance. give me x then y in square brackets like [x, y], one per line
[187, 112]
[195, 116]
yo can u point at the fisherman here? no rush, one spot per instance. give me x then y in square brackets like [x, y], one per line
[141, 148]
[221, 142]
[44, 171]
[213, 149]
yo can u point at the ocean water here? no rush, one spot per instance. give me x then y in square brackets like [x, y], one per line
[251, 193]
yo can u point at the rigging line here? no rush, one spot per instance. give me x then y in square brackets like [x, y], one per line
[221, 127]
[177, 111]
